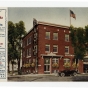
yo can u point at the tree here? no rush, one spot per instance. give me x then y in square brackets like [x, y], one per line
[86, 37]
[15, 34]
[20, 27]
[78, 42]
[12, 35]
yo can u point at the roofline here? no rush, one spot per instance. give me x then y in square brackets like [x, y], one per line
[28, 33]
[51, 24]
[46, 23]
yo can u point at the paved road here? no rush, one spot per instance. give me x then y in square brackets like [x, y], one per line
[47, 78]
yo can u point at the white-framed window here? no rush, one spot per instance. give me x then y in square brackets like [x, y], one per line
[67, 37]
[55, 36]
[66, 60]
[47, 35]
[55, 48]
[29, 41]
[55, 60]
[47, 48]
[66, 49]
[29, 52]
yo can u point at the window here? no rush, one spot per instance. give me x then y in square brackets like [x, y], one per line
[66, 37]
[66, 49]
[55, 48]
[47, 36]
[29, 52]
[66, 60]
[29, 41]
[46, 61]
[55, 36]
[55, 60]
[47, 48]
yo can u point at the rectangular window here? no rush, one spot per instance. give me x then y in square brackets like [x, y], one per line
[66, 60]
[29, 52]
[66, 37]
[55, 36]
[55, 60]
[55, 48]
[47, 48]
[66, 49]
[47, 36]
[29, 41]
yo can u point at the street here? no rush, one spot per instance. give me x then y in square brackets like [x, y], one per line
[47, 78]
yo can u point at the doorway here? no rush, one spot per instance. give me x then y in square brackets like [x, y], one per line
[47, 65]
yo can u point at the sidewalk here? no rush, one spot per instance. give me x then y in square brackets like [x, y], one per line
[16, 75]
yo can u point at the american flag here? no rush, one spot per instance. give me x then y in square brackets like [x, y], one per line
[72, 14]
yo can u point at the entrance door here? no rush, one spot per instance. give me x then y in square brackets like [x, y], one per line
[46, 65]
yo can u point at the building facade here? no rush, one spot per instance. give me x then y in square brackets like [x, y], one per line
[46, 48]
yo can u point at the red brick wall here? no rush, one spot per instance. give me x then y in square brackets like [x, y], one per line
[61, 63]
[41, 65]
[42, 42]
[80, 67]
[60, 42]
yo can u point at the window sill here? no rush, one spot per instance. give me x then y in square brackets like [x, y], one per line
[55, 39]
[55, 52]
[28, 56]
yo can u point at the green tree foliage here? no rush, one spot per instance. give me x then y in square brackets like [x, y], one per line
[86, 37]
[15, 33]
[78, 41]
[20, 27]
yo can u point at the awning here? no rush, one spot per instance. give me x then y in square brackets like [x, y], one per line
[51, 55]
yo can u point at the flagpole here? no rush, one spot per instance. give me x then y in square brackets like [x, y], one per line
[70, 18]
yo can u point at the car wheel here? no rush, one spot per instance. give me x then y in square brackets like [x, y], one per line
[62, 74]
[74, 74]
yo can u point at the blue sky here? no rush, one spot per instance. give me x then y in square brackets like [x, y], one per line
[56, 15]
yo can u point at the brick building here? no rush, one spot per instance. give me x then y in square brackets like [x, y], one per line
[44, 45]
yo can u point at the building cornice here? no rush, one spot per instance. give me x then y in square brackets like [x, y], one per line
[51, 24]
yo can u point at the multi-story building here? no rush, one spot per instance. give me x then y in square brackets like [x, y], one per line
[44, 45]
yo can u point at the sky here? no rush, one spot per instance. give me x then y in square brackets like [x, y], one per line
[56, 15]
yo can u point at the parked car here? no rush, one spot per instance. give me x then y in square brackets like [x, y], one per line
[67, 73]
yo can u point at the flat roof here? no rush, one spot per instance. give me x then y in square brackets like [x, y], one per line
[52, 24]
[46, 23]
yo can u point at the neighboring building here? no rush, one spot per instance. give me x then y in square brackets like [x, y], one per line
[46, 44]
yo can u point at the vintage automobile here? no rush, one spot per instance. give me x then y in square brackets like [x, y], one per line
[67, 73]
